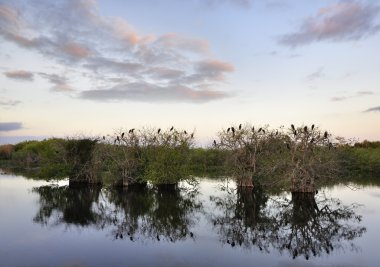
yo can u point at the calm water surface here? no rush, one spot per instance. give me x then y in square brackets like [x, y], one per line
[51, 224]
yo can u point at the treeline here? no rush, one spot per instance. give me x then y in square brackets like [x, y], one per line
[299, 158]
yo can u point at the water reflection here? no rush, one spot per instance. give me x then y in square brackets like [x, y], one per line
[303, 225]
[133, 213]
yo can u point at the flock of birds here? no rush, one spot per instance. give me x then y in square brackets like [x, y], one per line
[121, 236]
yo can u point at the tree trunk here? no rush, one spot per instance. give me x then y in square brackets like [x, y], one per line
[245, 181]
[302, 185]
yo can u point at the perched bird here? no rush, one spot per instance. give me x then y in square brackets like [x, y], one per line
[131, 238]
[192, 135]
[191, 234]
[132, 130]
[312, 127]
[184, 132]
[253, 128]
[121, 236]
[214, 143]
[276, 132]
[260, 130]
[158, 238]
[240, 126]
[232, 243]
[159, 130]
[228, 130]
[233, 129]
[293, 127]
[263, 131]
[171, 129]
[122, 135]
[295, 133]
[305, 129]
[325, 134]
[118, 139]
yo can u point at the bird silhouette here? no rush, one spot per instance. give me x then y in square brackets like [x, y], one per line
[214, 143]
[253, 129]
[312, 127]
[276, 132]
[118, 139]
[260, 130]
[158, 238]
[232, 243]
[228, 130]
[239, 126]
[295, 133]
[159, 130]
[184, 132]
[121, 236]
[192, 135]
[233, 129]
[132, 130]
[325, 134]
[191, 234]
[293, 127]
[305, 129]
[263, 131]
[122, 135]
[171, 129]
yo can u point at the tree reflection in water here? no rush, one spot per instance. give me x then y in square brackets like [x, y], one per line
[133, 213]
[304, 225]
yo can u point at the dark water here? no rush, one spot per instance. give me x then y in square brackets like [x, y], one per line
[47, 224]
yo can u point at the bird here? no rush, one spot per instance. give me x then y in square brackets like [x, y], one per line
[295, 133]
[158, 238]
[132, 130]
[121, 236]
[240, 126]
[131, 238]
[171, 129]
[184, 132]
[192, 135]
[228, 130]
[263, 131]
[232, 243]
[312, 140]
[233, 129]
[325, 134]
[293, 127]
[159, 130]
[122, 135]
[118, 139]
[171, 239]
[305, 129]
[259, 130]
[214, 143]
[191, 234]
[276, 132]
[253, 128]
[312, 127]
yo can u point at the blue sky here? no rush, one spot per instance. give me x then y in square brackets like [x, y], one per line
[92, 67]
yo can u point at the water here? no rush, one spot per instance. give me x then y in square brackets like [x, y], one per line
[51, 224]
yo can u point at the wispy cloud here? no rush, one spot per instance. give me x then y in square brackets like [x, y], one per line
[77, 36]
[9, 103]
[374, 109]
[316, 75]
[346, 97]
[147, 92]
[346, 20]
[10, 126]
[19, 75]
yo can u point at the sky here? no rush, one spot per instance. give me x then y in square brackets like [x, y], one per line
[91, 67]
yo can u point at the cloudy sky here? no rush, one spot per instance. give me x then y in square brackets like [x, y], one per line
[71, 67]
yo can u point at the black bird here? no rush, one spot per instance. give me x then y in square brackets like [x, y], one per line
[184, 132]
[253, 128]
[132, 130]
[192, 135]
[312, 127]
[118, 139]
[325, 134]
[305, 129]
[191, 234]
[228, 241]
[228, 130]
[232, 243]
[171, 239]
[233, 129]
[121, 236]
[263, 131]
[159, 130]
[239, 126]
[276, 132]
[260, 129]
[293, 127]
[295, 133]
[171, 129]
[158, 238]
[214, 143]
[122, 135]
[131, 238]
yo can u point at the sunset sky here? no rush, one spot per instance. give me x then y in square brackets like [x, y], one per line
[92, 67]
